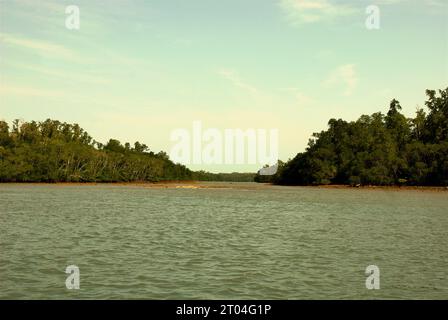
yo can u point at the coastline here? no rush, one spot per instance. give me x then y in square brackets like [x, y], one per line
[392, 188]
[194, 184]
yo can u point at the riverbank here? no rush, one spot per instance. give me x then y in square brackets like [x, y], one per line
[192, 184]
[395, 188]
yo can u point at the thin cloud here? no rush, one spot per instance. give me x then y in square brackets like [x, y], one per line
[301, 99]
[437, 3]
[310, 11]
[299, 12]
[73, 76]
[47, 5]
[236, 80]
[40, 47]
[6, 90]
[344, 76]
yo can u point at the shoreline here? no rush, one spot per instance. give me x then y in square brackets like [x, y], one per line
[195, 184]
[422, 188]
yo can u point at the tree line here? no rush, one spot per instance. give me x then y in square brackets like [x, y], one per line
[377, 149]
[380, 149]
[233, 176]
[54, 151]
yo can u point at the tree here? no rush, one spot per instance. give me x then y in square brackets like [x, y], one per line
[138, 147]
[378, 149]
[51, 151]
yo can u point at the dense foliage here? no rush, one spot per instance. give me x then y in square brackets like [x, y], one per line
[51, 151]
[234, 176]
[379, 149]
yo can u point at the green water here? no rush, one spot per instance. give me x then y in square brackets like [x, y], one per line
[264, 243]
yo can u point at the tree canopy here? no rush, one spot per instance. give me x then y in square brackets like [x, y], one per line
[378, 149]
[52, 151]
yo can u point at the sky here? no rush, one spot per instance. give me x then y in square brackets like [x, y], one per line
[137, 70]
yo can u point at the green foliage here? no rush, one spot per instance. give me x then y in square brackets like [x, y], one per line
[234, 176]
[378, 149]
[51, 151]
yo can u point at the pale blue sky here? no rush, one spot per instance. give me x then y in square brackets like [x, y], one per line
[136, 70]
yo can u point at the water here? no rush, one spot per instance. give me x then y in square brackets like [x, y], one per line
[252, 242]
